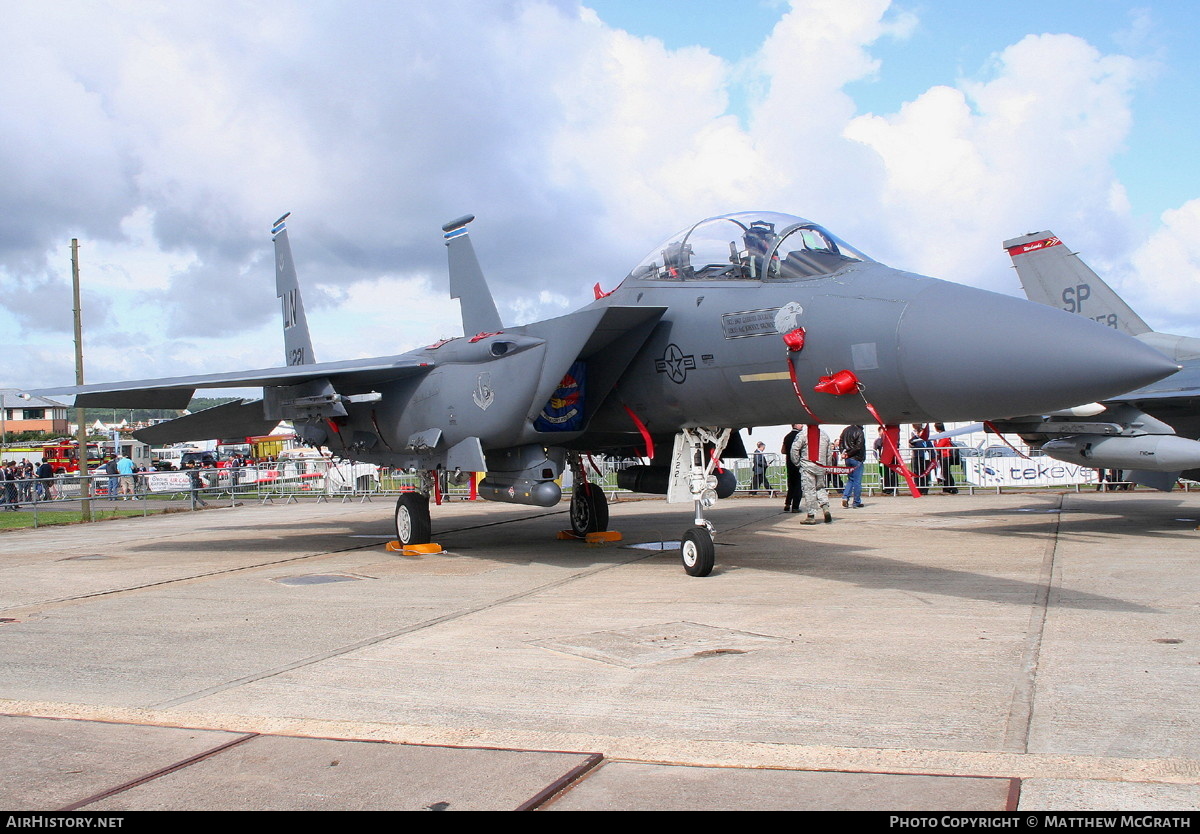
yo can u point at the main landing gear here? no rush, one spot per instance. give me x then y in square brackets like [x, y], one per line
[589, 506]
[413, 524]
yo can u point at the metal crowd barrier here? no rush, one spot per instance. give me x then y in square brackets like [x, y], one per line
[323, 480]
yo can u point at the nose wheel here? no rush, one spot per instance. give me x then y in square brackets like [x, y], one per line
[697, 551]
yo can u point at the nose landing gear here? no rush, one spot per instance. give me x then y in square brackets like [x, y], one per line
[692, 479]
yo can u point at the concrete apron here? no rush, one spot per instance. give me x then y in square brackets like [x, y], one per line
[1032, 651]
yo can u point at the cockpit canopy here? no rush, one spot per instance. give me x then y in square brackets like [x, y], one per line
[752, 245]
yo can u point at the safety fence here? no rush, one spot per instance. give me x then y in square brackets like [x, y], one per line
[325, 480]
[190, 489]
[970, 471]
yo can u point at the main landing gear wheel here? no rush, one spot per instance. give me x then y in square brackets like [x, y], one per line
[589, 510]
[697, 551]
[412, 519]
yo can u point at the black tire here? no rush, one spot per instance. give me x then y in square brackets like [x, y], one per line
[412, 519]
[697, 552]
[726, 483]
[589, 510]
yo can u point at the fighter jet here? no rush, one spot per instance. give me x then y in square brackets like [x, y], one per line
[742, 320]
[1150, 432]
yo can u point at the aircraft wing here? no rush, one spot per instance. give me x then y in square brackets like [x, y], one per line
[176, 392]
[240, 418]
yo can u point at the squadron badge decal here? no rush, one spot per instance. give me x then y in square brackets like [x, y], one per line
[483, 395]
[564, 410]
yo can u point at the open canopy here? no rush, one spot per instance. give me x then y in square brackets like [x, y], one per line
[752, 245]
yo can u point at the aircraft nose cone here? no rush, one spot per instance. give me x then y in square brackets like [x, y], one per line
[968, 350]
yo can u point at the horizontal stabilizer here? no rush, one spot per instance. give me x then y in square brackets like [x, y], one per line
[241, 418]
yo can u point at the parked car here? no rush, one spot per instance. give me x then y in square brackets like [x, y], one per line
[208, 459]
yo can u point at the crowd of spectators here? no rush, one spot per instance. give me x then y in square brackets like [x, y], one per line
[22, 482]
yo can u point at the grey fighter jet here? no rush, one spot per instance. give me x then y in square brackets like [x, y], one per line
[747, 319]
[1149, 432]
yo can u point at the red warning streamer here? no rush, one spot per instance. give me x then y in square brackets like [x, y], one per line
[988, 425]
[796, 388]
[595, 468]
[840, 384]
[642, 428]
[899, 466]
[712, 453]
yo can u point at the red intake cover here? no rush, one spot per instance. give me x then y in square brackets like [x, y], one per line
[795, 339]
[843, 382]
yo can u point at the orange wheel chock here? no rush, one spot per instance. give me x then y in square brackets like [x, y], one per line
[414, 549]
[591, 538]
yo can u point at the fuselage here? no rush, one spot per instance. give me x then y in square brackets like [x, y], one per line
[922, 350]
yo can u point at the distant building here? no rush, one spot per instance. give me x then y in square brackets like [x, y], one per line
[33, 414]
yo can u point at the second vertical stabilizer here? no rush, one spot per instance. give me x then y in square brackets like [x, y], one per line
[467, 283]
[297, 343]
[1055, 276]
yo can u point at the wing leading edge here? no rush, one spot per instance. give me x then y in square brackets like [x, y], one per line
[176, 392]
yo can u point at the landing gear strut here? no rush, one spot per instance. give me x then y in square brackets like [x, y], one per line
[589, 506]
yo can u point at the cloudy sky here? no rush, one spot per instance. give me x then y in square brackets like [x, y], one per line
[167, 137]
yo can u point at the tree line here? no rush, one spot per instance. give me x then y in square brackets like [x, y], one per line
[116, 415]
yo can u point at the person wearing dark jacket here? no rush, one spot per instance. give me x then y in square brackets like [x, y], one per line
[45, 480]
[791, 501]
[947, 457]
[759, 468]
[853, 444]
[9, 476]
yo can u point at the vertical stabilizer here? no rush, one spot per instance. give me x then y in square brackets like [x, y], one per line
[467, 283]
[297, 344]
[1054, 275]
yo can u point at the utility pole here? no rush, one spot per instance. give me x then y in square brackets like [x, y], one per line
[85, 484]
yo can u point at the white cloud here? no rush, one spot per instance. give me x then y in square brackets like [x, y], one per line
[969, 165]
[168, 137]
[382, 316]
[1166, 272]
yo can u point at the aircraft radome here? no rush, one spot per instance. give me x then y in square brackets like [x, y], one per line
[727, 324]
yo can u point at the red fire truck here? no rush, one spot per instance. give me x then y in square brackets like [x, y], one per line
[65, 453]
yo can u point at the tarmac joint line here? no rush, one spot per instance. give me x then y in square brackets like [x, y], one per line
[141, 780]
